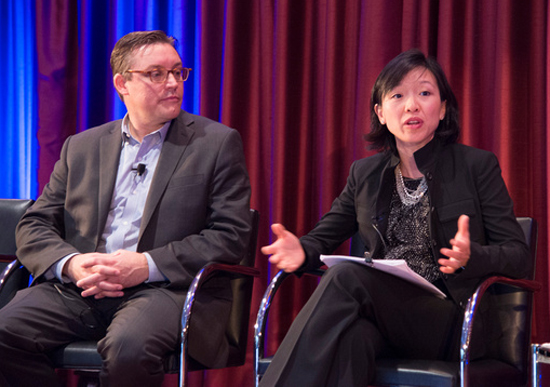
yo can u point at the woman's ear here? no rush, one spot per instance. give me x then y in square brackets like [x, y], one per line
[379, 112]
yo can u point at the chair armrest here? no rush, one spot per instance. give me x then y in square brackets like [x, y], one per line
[14, 277]
[207, 271]
[261, 318]
[265, 305]
[471, 311]
[7, 272]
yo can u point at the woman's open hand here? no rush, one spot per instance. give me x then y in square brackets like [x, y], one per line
[459, 254]
[286, 252]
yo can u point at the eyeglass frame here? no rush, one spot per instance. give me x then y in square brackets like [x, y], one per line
[168, 72]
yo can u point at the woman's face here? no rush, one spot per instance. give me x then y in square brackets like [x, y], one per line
[412, 110]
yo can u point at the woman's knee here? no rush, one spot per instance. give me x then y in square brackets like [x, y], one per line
[347, 273]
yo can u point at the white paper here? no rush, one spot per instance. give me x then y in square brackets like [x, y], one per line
[397, 267]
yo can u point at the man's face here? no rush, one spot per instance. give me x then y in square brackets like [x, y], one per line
[149, 104]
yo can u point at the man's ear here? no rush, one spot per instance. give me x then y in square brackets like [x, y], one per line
[120, 84]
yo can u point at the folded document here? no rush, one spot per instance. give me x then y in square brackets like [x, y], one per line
[397, 267]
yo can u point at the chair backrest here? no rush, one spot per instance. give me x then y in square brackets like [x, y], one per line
[237, 328]
[11, 211]
[236, 331]
[507, 313]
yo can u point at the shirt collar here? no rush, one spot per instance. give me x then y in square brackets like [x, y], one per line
[126, 135]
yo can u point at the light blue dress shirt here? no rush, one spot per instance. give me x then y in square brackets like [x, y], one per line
[129, 196]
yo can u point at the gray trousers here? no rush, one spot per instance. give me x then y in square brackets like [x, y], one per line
[135, 332]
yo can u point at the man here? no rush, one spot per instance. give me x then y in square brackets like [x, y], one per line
[134, 208]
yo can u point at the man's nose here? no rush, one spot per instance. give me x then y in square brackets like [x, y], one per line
[171, 79]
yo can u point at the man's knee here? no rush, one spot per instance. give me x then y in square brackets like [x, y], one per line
[128, 360]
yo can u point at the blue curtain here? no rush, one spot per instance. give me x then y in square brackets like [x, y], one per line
[18, 105]
[100, 25]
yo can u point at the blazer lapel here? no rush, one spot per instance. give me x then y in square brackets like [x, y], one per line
[175, 143]
[109, 155]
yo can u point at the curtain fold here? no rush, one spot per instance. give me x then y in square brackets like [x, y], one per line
[18, 102]
[57, 47]
[294, 77]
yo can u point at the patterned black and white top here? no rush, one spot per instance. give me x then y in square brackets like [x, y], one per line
[408, 235]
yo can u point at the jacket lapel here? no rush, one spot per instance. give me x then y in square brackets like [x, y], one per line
[176, 141]
[109, 155]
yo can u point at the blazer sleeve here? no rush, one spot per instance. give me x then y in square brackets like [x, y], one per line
[504, 251]
[41, 231]
[335, 227]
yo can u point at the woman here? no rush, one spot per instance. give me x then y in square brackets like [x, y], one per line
[441, 206]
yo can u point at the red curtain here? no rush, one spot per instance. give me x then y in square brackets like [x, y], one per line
[294, 77]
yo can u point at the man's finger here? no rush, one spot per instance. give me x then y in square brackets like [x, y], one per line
[90, 281]
[109, 286]
[106, 271]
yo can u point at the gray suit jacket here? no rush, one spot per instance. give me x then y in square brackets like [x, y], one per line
[197, 209]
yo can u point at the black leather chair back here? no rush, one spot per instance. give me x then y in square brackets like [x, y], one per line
[237, 332]
[510, 310]
[11, 211]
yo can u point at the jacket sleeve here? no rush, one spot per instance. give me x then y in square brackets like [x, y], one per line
[40, 233]
[335, 227]
[504, 251]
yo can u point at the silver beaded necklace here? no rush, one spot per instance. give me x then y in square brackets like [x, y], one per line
[409, 196]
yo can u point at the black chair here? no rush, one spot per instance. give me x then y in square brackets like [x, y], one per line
[86, 361]
[508, 302]
[11, 210]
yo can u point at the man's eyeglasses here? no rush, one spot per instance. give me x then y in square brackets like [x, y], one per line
[160, 74]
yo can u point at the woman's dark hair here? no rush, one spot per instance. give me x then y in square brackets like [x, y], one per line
[391, 76]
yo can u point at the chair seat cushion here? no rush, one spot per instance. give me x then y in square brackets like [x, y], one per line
[83, 355]
[263, 364]
[411, 372]
[79, 355]
[397, 372]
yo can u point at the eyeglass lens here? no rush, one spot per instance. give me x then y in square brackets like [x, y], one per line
[160, 75]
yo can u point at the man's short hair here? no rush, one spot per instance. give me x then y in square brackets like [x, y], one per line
[133, 41]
